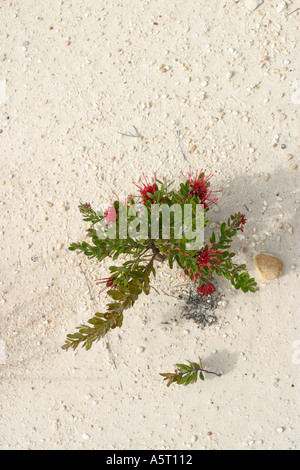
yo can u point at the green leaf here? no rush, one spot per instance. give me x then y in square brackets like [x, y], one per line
[212, 238]
[183, 368]
[223, 229]
[116, 295]
[194, 365]
[194, 377]
[161, 193]
[73, 247]
[146, 289]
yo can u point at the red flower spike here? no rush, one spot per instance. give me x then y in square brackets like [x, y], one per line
[240, 220]
[200, 187]
[109, 283]
[85, 207]
[147, 188]
[206, 289]
[190, 274]
[209, 257]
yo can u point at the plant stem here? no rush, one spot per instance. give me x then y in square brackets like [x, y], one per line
[157, 254]
[201, 370]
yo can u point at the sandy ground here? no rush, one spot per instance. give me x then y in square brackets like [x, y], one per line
[73, 77]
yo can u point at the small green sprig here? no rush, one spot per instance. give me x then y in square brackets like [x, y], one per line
[236, 274]
[186, 374]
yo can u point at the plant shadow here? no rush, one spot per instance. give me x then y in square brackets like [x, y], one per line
[222, 362]
[271, 206]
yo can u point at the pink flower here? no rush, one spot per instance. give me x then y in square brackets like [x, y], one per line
[110, 215]
[206, 289]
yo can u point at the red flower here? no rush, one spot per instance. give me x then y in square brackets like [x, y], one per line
[200, 187]
[109, 283]
[206, 289]
[190, 274]
[209, 257]
[240, 220]
[147, 188]
[85, 207]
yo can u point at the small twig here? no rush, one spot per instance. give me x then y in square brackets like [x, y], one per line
[169, 295]
[87, 282]
[141, 254]
[185, 374]
[178, 133]
[293, 12]
[137, 134]
[113, 361]
[152, 287]
[156, 254]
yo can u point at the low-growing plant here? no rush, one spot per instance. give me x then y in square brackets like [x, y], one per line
[158, 224]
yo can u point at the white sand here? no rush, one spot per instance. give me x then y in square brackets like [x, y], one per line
[74, 75]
